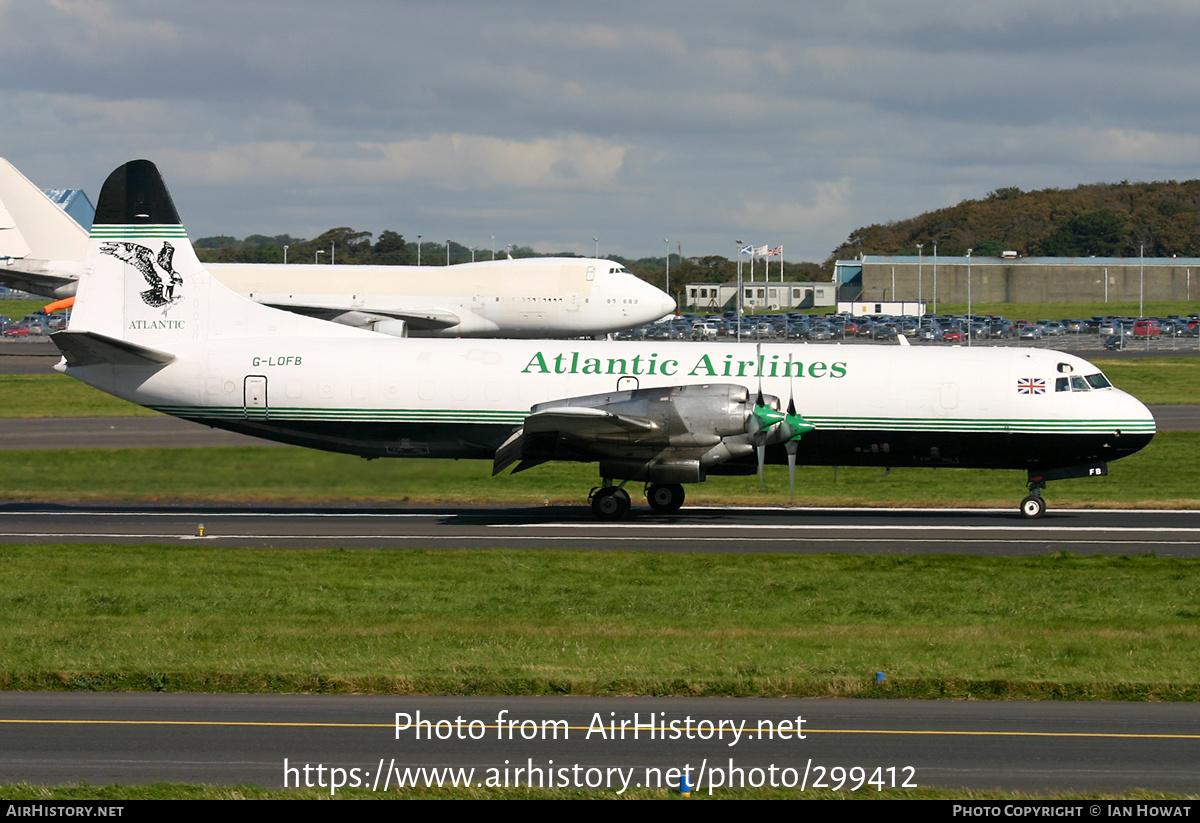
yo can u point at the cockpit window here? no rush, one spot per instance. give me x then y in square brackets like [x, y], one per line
[1078, 384]
[1098, 381]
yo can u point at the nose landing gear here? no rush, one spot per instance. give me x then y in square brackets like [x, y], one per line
[1034, 506]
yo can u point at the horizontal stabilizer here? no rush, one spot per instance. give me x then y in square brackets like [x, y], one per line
[84, 348]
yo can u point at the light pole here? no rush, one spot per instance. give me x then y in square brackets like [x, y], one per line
[493, 247]
[317, 256]
[596, 240]
[472, 254]
[935, 278]
[738, 302]
[969, 327]
[920, 260]
[285, 248]
[447, 252]
[1142, 286]
[332, 253]
[418, 249]
[668, 243]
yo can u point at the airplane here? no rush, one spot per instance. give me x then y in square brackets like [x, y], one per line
[42, 250]
[152, 326]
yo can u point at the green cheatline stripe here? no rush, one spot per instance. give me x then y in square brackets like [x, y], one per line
[118, 230]
[997, 425]
[352, 415]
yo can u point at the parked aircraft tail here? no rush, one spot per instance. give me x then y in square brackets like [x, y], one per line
[143, 284]
[31, 225]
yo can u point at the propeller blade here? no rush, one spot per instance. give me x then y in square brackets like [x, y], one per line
[791, 447]
[762, 461]
[758, 361]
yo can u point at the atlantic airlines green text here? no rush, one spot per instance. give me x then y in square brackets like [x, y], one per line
[706, 366]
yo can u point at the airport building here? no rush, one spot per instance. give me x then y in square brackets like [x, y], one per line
[759, 296]
[1011, 279]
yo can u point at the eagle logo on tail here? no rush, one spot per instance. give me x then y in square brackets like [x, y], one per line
[163, 291]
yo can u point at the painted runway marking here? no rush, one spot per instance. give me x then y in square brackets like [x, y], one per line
[808, 527]
[528, 538]
[807, 731]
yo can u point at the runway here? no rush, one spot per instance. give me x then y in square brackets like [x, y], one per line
[737, 530]
[246, 739]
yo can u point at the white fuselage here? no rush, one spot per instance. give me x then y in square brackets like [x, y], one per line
[870, 405]
[524, 298]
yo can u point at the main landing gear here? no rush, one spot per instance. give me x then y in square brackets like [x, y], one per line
[611, 502]
[1034, 506]
[665, 498]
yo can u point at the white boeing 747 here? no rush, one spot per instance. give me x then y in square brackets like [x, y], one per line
[42, 250]
[151, 325]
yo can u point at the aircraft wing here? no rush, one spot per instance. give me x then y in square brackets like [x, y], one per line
[587, 423]
[674, 434]
[430, 317]
[35, 277]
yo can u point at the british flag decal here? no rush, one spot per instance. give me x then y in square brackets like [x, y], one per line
[1031, 385]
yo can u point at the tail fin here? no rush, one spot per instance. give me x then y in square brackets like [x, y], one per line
[31, 225]
[143, 283]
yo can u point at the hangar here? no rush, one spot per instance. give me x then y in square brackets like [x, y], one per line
[1010, 279]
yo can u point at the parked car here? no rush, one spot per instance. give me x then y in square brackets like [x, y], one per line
[1147, 328]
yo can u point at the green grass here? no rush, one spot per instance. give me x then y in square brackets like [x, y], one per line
[546, 622]
[1164, 475]
[17, 309]
[1063, 311]
[181, 791]
[1156, 380]
[56, 395]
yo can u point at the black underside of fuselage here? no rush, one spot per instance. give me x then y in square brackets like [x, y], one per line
[880, 447]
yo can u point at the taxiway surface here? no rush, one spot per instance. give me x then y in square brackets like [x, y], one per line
[268, 740]
[738, 530]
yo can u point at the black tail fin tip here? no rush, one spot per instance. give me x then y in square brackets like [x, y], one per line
[135, 194]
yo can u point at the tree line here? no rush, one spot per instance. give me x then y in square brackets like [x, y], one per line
[1098, 220]
[346, 246]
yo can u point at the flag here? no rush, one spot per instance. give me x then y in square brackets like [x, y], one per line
[775, 252]
[747, 250]
[1031, 385]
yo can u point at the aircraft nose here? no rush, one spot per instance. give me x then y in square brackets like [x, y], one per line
[662, 302]
[668, 304]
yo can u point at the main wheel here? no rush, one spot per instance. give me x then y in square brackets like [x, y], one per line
[665, 498]
[1033, 507]
[610, 503]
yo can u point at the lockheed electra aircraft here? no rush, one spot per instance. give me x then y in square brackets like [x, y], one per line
[151, 325]
[42, 250]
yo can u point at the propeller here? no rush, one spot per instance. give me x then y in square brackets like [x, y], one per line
[790, 423]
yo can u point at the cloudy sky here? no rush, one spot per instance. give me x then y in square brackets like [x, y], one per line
[548, 123]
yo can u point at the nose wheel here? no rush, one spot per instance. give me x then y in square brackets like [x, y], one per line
[1034, 506]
